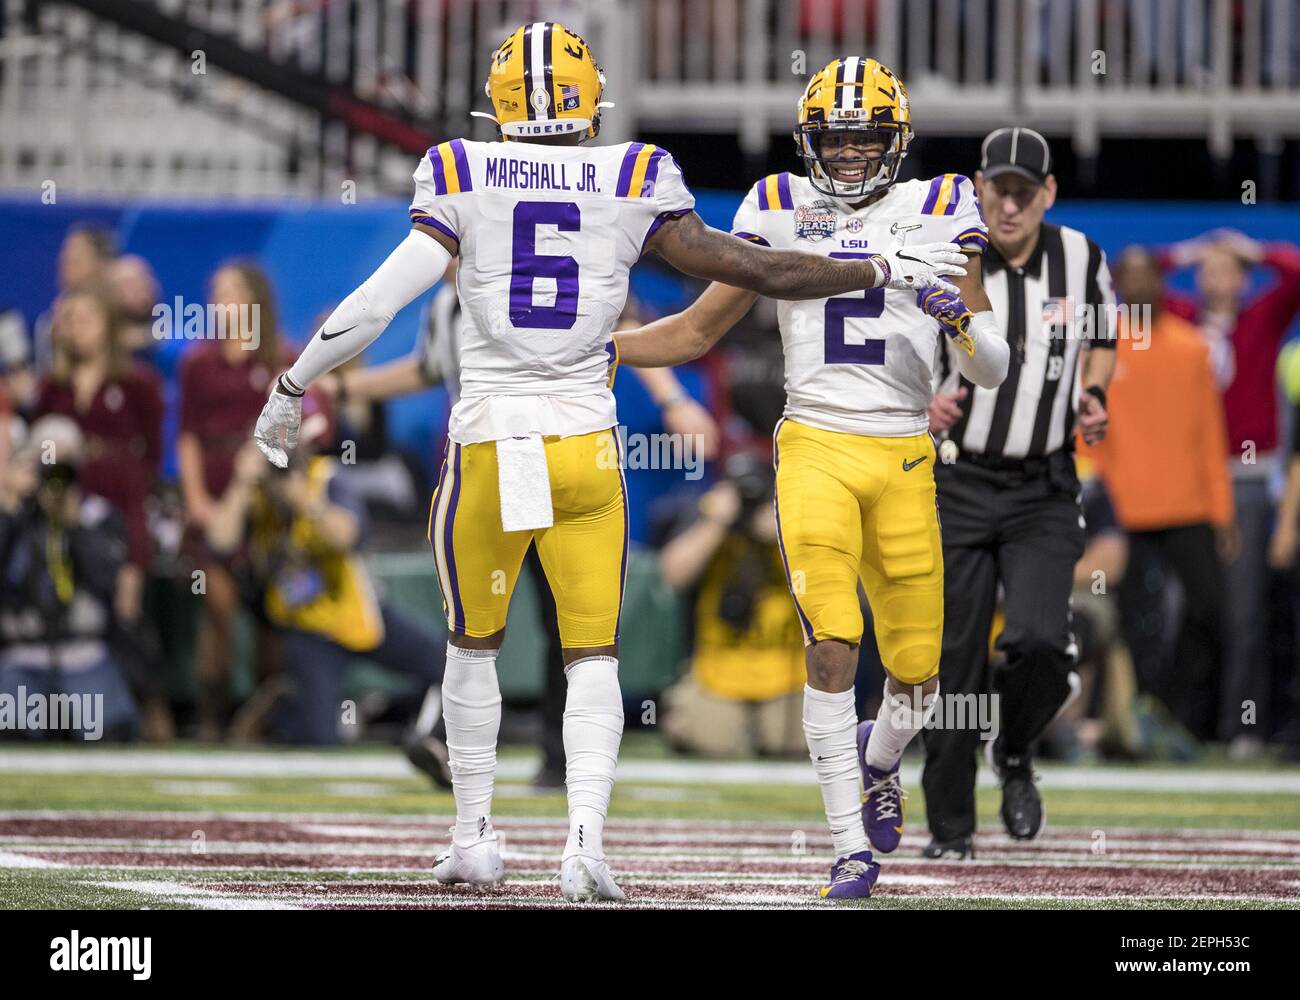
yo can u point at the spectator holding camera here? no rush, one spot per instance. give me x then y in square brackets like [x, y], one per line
[297, 532]
[61, 552]
[224, 383]
[744, 690]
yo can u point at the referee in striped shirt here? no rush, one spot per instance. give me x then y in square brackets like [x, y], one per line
[1008, 494]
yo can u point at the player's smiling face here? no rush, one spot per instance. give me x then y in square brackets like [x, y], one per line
[852, 158]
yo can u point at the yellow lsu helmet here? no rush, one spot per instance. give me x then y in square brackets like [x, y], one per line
[545, 81]
[854, 94]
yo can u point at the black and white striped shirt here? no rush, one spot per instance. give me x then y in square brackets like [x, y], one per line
[1058, 302]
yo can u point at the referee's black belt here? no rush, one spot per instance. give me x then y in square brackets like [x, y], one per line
[998, 463]
[1057, 468]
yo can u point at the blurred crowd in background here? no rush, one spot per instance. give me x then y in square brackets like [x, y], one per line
[1185, 606]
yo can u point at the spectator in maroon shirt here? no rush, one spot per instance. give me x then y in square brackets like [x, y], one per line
[118, 406]
[1245, 335]
[85, 255]
[224, 384]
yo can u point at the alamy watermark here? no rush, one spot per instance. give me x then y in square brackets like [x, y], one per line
[1066, 318]
[75, 953]
[679, 452]
[34, 711]
[950, 711]
[181, 320]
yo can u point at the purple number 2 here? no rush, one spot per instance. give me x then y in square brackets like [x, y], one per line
[527, 265]
[871, 305]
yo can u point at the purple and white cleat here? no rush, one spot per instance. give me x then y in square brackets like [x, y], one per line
[882, 798]
[851, 877]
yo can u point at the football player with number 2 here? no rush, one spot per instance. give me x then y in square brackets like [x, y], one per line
[855, 488]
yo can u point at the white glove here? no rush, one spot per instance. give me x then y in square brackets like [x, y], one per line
[921, 266]
[276, 433]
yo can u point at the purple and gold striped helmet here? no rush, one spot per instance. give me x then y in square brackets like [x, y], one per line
[545, 81]
[854, 94]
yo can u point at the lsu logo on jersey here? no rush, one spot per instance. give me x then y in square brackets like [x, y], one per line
[814, 222]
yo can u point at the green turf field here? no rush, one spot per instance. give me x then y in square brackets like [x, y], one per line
[219, 827]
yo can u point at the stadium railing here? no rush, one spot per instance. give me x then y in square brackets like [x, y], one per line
[120, 114]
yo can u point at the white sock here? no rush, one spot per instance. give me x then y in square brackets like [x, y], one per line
[593, 729]
[471, 704]
[830, 722]
[897, 724]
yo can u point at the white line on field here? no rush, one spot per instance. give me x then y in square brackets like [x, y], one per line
[404, 841]
[9, 860]
[290, 764]
[711, 830]
[179, 892]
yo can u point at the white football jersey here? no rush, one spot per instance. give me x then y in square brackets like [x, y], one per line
[862, 363]
[547, 236]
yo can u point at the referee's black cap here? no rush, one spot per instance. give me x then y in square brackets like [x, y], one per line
[1016, 150]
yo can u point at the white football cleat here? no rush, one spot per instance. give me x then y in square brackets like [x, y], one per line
[477, 864]
[585, 880]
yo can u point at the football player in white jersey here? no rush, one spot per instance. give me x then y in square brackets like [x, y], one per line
[546, 230]
[855, 482]
[435, 361]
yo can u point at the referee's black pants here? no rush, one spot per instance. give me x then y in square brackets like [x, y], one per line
[1023, 529]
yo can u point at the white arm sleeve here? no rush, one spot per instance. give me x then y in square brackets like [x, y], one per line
[410, 271]
[987, 367]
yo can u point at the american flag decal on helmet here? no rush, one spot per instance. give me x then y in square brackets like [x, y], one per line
[569, 97]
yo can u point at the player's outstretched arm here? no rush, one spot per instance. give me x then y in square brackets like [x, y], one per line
[696, 249]
[411, 270]
[684, 336]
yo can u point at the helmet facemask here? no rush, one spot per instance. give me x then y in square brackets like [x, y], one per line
[878, 172]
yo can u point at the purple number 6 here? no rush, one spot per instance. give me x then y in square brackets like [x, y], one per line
[871, 305]
[527, 265]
